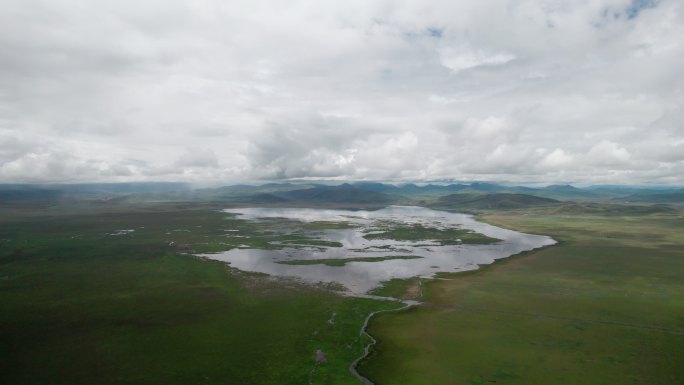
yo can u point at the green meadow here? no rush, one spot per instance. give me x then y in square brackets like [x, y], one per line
[86, 303]
[111, 294]
[604, 306]
[418, 232]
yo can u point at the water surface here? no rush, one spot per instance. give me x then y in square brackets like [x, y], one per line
[359, 277]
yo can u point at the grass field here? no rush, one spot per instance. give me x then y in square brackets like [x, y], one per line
[418, 232]
[605, 306]
[406, 289]
[84, 302]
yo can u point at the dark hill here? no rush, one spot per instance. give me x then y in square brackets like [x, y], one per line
[656, 197]
[237, 190]
[378, 187]
[85, 191]
[484, 186]
[30, 195]
[561, 188]
[445, 188]
[337, 194]
[492, 201]
[579, 208]
[261, 198]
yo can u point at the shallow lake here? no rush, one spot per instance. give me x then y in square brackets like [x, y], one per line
[359, 277]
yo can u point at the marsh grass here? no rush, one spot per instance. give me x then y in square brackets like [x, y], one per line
[418, 232]
[605, 306]
[406, 289]
[80, 306]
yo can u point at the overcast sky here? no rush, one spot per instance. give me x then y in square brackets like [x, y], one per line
[546, 91]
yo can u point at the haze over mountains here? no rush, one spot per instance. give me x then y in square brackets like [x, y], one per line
[476, 195]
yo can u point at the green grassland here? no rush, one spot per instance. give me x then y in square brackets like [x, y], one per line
[418, 232]
[605, 306]
[406, 289]
[85, 300]
[343, 261]
[83, 306]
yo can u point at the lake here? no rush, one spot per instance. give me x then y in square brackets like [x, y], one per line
[359, 277]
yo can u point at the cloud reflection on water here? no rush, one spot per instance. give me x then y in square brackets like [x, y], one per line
[359, 277]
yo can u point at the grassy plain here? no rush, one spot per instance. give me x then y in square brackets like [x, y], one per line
[86, 303]
[605, 306]
[402, 288]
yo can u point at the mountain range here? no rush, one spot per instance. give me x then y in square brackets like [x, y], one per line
[476, 195]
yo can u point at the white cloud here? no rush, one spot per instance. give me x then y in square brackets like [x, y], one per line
[557, 160]
[492, 129]
[608, 154]
[198, 157]
[221, 92]
[462, 58]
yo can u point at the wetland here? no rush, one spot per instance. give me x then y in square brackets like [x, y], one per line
[360, 249]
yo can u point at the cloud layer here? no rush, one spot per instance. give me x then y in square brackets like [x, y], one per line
[214, 91]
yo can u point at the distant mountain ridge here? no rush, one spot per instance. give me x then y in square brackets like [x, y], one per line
[337, 194]
[656, 197]
[492, 201]
[353, 193]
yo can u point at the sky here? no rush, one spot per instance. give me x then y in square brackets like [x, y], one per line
[213, 91]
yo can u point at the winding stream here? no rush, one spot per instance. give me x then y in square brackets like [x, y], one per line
[366, 350]
[359, 277]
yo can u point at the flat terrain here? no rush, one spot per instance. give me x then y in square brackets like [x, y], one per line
[108, 294]
[85, 300]
[605, 306]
